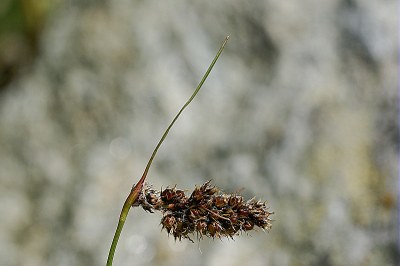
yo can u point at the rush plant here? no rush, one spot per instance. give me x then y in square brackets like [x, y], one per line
[206, 212]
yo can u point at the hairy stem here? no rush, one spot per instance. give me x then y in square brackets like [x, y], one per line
[133, 195]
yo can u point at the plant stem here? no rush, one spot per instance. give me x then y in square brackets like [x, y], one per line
[134, 194]
[115, 242]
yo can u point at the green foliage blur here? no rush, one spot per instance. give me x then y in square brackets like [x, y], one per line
[21, 23]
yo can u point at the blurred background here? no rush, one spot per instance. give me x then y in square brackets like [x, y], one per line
[300, 111]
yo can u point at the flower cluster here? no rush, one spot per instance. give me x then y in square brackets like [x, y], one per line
[206, 212]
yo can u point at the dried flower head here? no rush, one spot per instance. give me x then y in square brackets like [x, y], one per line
[206, 212]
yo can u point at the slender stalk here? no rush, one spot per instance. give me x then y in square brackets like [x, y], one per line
[115, 241]
[133, 195]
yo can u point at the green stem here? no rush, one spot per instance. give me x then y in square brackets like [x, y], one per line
[115, 242]
[134, 194]
[132, 197]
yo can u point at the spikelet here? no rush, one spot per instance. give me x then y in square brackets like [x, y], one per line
[206, 212]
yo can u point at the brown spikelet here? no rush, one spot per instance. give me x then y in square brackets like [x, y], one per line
[206, 212]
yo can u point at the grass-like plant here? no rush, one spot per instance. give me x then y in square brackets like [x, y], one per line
[206, 212]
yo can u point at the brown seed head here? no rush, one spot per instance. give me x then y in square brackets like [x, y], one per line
[207, 211]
